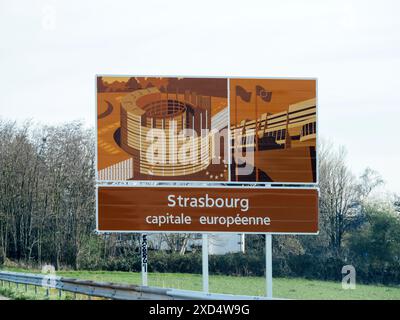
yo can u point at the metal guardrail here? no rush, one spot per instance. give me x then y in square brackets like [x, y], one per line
[111, 290]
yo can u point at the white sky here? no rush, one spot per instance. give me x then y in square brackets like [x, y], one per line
[51, 50]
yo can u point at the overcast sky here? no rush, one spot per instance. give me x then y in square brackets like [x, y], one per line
[51, 50]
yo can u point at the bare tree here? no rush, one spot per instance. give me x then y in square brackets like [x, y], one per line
[177, 242]
[341, 193]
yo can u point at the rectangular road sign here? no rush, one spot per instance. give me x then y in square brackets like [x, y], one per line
[206, 129]
[207, 209]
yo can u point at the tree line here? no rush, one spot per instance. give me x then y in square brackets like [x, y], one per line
[47, 215]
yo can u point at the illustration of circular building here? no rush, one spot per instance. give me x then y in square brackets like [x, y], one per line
[166, 134]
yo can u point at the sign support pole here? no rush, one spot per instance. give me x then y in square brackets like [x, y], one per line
[204, 249]
[143, 257]
[268, 262]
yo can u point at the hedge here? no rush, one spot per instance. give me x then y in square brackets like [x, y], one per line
[252, 264]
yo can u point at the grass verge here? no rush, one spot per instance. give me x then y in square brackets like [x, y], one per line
[290, 288]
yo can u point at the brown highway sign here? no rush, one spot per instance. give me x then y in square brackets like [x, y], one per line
[202, 209]
[211, 130]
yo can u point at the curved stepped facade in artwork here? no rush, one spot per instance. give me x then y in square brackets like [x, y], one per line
[166, 134]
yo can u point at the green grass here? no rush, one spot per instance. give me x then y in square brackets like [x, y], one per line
[13, 292]
[290, 288]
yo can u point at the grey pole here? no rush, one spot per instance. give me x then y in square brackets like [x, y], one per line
[205, 262]
[268, 264]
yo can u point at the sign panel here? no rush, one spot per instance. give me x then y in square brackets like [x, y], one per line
[206, 129]
[201, 209]
[274, 129]
[162, 129]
